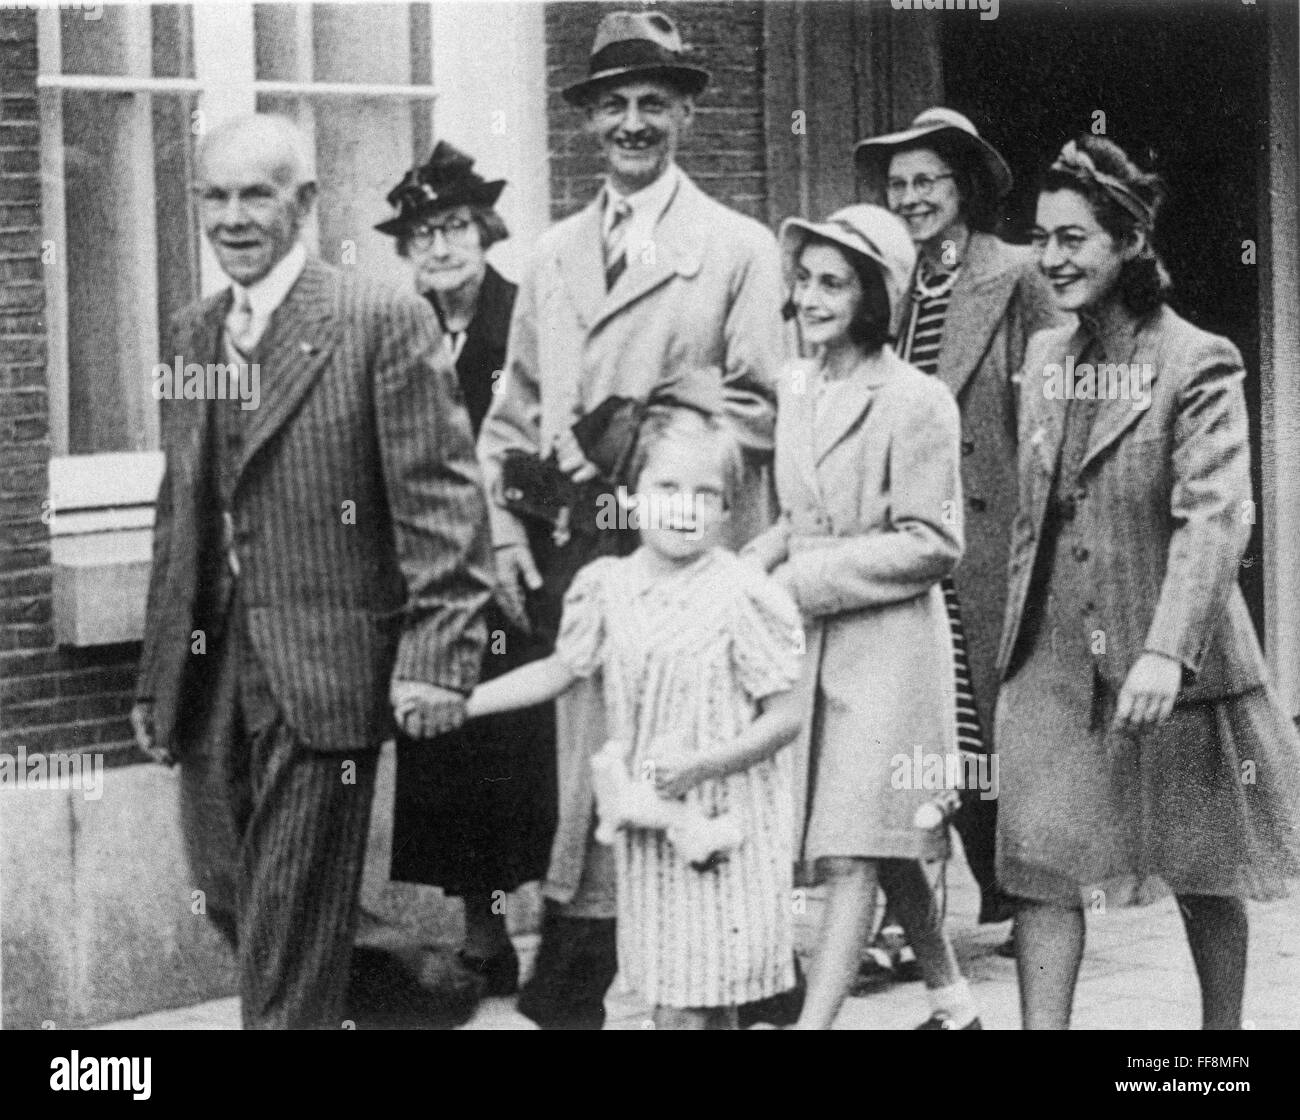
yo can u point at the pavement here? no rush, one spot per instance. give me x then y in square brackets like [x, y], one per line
[1137, 975]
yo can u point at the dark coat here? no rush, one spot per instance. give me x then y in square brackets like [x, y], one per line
[357, 405]
[475, 809]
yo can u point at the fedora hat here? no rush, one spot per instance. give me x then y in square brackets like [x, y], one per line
[869, 231]
[872, 156]
[447, 178]
[645, 44]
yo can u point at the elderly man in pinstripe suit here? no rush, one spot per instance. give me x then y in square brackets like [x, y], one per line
[315, 559]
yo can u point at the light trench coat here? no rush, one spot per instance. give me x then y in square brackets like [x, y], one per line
[707, 293]
[871, 521]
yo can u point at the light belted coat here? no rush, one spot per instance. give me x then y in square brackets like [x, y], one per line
[709, 295]
[871, 521]
[1165, 507]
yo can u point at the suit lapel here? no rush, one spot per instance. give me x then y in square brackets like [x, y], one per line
[978, 303]
[675, 251]
[200, 342]
[1117, 415]
[581, 262]
[291, 354]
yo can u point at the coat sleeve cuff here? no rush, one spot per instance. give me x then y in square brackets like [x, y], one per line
[425, 655]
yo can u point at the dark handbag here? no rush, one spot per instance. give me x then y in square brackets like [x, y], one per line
[569, 524]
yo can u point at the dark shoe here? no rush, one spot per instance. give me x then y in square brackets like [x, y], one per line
[1007, 948]
[499, 972]
[941, 1021]
[411, 990]
[576, 963]
[875, 972]
[907, 969]
[776, 1011]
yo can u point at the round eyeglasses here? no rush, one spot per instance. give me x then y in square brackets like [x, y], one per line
[455, 231]
[922, 186]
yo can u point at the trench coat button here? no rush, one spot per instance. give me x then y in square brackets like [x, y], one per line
[978, 504]
[1080, 553]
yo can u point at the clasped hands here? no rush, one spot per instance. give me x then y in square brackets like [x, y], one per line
[424, 710]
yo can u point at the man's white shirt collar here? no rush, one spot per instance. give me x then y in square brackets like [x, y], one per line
[270, 291]
[648, 206]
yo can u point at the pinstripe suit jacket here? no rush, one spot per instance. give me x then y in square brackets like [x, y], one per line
[359, 403]
[1166, 512]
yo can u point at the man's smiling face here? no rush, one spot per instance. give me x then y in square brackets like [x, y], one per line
[251, 204]
[638, 124]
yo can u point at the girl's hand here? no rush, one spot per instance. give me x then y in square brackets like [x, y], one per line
[1149, 693]
[675, 768]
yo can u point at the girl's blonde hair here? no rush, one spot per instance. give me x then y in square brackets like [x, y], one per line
[674, 424]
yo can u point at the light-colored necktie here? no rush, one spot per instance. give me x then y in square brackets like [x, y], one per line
[239, 323]
[456, 339]
[616, 244]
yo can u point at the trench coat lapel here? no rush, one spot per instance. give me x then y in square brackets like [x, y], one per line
[294, 349]
[675, 252]
[978, 303]
[581, 261]
[1116, 415]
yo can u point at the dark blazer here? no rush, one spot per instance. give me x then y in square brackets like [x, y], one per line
[484, 352]
[358, 405]
[999, 301]
[1166, 508]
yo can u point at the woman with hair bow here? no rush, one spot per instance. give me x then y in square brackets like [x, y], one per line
[1143, 749]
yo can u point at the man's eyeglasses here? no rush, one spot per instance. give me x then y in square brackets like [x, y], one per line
[455, 231]
[923, 185]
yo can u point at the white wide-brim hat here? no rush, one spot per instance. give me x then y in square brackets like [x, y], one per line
[871, 232]
[872, 156]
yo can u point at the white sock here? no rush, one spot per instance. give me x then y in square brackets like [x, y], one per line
[953, 1000]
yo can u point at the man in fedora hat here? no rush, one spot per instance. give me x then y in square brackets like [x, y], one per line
[651, 279]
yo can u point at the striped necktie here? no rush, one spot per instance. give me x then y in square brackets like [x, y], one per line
[616, 244]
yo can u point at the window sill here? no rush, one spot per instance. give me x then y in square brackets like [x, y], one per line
[101, 582]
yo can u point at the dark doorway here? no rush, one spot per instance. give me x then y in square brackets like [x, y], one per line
[1182, 82]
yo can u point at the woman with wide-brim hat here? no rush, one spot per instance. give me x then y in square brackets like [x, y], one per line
[1143, 747]
[475, 808]
[869, 481]
[973, 302]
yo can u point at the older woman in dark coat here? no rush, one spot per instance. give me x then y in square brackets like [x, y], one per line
[475, 808]
[974, 302]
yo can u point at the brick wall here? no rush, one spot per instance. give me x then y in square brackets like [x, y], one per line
[50, 699]
[724, 149]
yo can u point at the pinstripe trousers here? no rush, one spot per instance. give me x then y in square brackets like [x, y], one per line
[275, 835]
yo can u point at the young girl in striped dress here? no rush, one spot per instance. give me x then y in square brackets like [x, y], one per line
[697, 651]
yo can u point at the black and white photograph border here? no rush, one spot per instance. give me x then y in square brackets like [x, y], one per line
[370, 656]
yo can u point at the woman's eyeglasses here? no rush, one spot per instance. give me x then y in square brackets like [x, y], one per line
[455, 231]
[922, 186]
